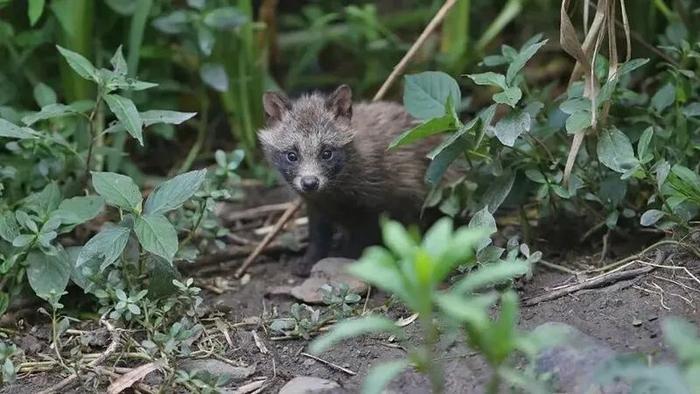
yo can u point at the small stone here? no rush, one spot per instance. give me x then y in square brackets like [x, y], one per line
[636, 322]
[308, 385]
[217, 367]
[329, 270]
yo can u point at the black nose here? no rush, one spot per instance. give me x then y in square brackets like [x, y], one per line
[309, 183]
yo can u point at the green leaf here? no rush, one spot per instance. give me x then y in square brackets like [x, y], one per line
[161, 275]
[80, 64]
[521, 59]
[79, 210]
[157, 235]
[50, 111]
[118, 62]
[425, 94]
[484, 220]
[106, 246]
[381, 375]
[166, 117]
[9, 229]
[214, 75]
[48, 274]
[509, 128]
[174, 23]
[489, 79]
[470, 310]
[225, 18]
[378, 267]
[36, 9]
[664, 97]
[510, 97]
[577, 104]
[631, 65]
[691, 110]
[352, 328]
[173, 193]
[424, 130]
[651, 217]
[9, 130]
[643, 145]
[397, 239]
[683, 337]
[578, 121]
[446, 155]
[125, 110]
[615, 151]
[118, 190]
[498, 191]
[492, 274]
[46, 201]
[44, 95]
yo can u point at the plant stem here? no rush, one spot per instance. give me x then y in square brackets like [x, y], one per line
[92, 134]
[201, 134]
[494, 383]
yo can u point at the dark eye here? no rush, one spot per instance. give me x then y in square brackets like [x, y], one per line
[326, 154]
[291, 156]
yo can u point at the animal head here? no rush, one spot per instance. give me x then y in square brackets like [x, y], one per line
[309, 139]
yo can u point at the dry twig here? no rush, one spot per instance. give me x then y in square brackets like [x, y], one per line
[330, 364]
[94, 363]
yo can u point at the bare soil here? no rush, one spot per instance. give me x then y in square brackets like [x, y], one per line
[625, 315]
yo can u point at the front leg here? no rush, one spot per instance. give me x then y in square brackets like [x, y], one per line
[320, 242]
[361, 235]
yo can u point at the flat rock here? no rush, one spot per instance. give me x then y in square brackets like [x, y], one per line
[575, 363]
[308, 385]
[217, 367]
[327, 271]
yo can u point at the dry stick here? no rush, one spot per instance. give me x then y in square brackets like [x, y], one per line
[94, 363]
[598, 281]
[432, 25]
[330, 364]
[268, 238]
[439, 16]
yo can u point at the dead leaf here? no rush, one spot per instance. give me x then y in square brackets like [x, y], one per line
[403, 322]
[130, 378]
[259, 343]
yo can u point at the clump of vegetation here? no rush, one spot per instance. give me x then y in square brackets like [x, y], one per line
[411, 270]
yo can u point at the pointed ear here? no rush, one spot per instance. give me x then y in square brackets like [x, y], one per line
[340, 102]
[276, 104]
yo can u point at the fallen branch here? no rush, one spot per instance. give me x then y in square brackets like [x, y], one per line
[598, 281]
[269, 237]
[94, 363]
[132, 377]
[254, 213]
[330, 364]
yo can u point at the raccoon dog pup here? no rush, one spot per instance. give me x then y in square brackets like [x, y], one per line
[334, 155]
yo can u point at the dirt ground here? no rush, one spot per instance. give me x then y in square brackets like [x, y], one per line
[625, 315]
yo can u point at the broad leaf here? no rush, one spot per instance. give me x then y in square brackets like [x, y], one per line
[48, 112]
[431, 127]
[44, 95]
[125, 110]
[167, 117]
[498, 191]
[106, 246]
[489, 79]
[509, 128]
[352, 328]
[631, 65]
[484, 220]
[173, 23]
[664, 97]
[48, 274]
[578, 121]
[425, 95]
[509, 97]
[9, 130]
[225, 18]
[173, 193]
[79, 64]
[118, 62]
[118, 190]
[36, 9]
[9, 229]
[643, 146]
[491, 274]
[214, 75]
[651, 217]
[521, 58]
[157, 235]
[615, 151]
[79, 210]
